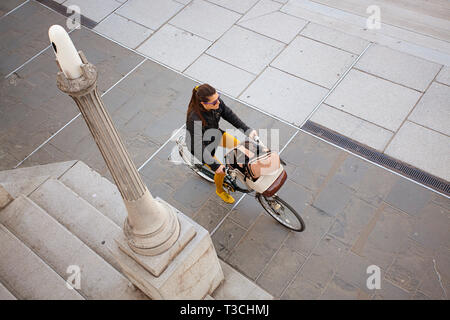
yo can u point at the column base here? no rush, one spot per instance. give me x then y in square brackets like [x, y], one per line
[190, 269]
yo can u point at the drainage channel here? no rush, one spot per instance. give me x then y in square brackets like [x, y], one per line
[377, 157]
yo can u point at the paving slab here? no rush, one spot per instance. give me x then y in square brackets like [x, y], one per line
[353, 127]
[227, 237]
[287, 27]
[398, 67]
[196, 18]
[431, 151]
[223, 76]
[302, 289]
[94, 10]
[278, 273]
[335, 38]
[444, 75]
[241, 6]
[283, 95]
[314, 61]
[433, 110]
[261, 8]
[19, 41]
[255, 51]
[123, 30]
[8, 5]
[151, 14]
[174, 47]
[373, 99]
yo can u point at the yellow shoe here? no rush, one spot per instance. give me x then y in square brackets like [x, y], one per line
[225, 196]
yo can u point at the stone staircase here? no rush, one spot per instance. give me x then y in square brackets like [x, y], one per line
[62, 217]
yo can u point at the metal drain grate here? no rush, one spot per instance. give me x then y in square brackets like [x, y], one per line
[380, 158]
[88, 23]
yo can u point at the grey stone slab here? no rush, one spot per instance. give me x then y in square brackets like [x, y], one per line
[379, 101]
[389, 291]
[93, 9]
[276, 25]
[339, 289]
[352, 221]
[194, 193]
[285, 96]
[258, 246]
[227, 237]
[409, 267]
[174, 47]
[431, 227]
[310, 160]
[436, 281]
[261, 8]
[433, 110]
[353, 270]
[302, 289]
[335, 38]
[246, 212]
[123, 30]
[223, 76]
[19, 41]
[317, 225]
[314, 61]
[210, 215]
[241, 6]
[324, 261]
[8, 5]
[297, 196]
[352, 170]
[408, 197]
[152, 14]
[386, 237]
[333, 199]
[280, 271]
[431, 151]
[255, 51]
[442, 201]
[352, 127]
[195, 18]
[398, 67]
[444, 75]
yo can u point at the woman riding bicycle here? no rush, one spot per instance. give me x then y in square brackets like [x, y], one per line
[202, 123]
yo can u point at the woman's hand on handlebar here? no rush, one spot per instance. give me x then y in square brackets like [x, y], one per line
[221, 169]
[253, 135]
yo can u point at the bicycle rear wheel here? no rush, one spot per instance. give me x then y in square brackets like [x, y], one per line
[281, 211]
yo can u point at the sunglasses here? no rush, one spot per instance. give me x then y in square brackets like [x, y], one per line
[214, 102]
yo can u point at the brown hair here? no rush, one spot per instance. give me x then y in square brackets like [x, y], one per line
[200, 94]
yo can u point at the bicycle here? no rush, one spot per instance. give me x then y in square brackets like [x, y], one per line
[236, 181]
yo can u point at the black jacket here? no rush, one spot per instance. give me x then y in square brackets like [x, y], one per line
[199, 141]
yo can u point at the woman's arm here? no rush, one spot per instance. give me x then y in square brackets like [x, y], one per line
[232, 118]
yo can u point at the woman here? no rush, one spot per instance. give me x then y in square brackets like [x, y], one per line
[202, 123]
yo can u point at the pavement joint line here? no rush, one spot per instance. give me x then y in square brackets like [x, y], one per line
[73, 119]
[242, 14]
[351, 114]
[118, 14]
[104, 18]
[330, 45]
[242, 197]
[182, 29]
[296, 76]
[391, 81]
[29, 60]
[11, 11]
[160, 148]
[439, 277]
[336, 84]
[428, 128]
[308, 256]
[374, 163]
[422, 94]
[237, 67]
[46, 141]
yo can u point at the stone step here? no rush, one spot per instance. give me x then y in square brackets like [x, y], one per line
[78, 216]
[27, 275]
[25, 180]
[5, 294]
[61, 250]
[97, 190]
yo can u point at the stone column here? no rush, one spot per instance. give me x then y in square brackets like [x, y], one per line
[152, 226]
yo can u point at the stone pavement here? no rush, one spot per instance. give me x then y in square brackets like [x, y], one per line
[357, 214]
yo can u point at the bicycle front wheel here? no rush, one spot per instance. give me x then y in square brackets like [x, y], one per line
[281, 211]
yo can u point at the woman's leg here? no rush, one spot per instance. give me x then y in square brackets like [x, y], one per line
[228, 142]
